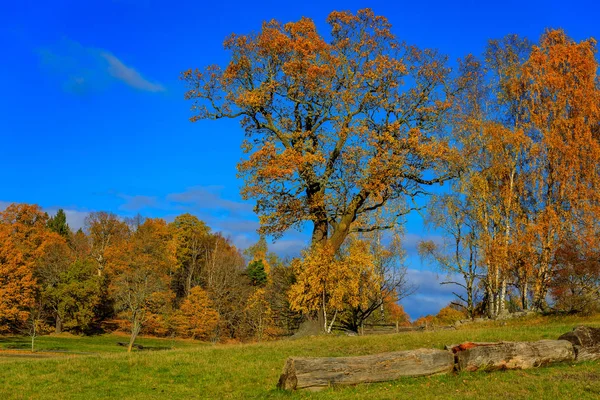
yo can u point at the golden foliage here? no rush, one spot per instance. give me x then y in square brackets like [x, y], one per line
[196, 318]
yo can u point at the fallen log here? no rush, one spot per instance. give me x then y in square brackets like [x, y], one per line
[511, 355]
[586, 342]
[315, 373]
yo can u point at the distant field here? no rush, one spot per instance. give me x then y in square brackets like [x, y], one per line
[96, 368]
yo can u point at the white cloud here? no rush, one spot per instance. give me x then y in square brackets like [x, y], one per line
[209, 198]
[430, 295]
[84, 69]
[129, 75]
[288, 247]
[137, 203]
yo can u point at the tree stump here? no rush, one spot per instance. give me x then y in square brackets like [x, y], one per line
[511, 355]
[586, 342]
[315, 373]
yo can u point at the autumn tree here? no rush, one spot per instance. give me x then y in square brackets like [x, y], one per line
[141, 275]
[489, 126]
[22, 235]
[80, 244]
[106, 231]
[391, 312]
[193, 248]
[387, 282]
[336, 128]
[197, 318]
[449, 315]
[227, 285]
[329, 282]
[17, 284]
[575, 285]
[561, 82]
[259, 316]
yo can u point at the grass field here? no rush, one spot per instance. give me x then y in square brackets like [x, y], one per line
[96, 368]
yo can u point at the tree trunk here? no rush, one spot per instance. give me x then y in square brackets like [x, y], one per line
[33, 335]
[502, 305]
[470, 306]
[315, 373]
[58, 326]
[135, 329]
[511, 355]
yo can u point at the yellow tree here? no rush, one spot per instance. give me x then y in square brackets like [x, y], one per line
[329, 282]
[490, 127]
[197, 317]
[193, 244]
[259, 315]
[336, 128]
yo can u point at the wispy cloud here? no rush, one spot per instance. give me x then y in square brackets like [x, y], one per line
[209, 198]
[129, 75]
[137, 203]
[84, 69]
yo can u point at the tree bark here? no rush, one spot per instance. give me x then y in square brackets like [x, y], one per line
[135, 329]
[586, 342]
[315, 373]
[511, 355]
[58, 325]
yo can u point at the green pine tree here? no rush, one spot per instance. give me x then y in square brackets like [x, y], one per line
[58, 224]
[256, 272]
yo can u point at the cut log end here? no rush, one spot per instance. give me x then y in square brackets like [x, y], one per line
[288, 380]
[585, 341]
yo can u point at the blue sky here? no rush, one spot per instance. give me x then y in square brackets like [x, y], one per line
[93, 117]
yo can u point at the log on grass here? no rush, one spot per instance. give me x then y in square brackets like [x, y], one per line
[315, 373]
[586, 342]
[512, 355]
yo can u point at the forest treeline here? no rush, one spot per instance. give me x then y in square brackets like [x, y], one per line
[145, 275]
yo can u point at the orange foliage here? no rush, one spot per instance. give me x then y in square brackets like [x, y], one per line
[23, 239]
[196, 318]
[394, 312]
[334, 132]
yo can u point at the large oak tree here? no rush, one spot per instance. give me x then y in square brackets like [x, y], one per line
[337, 126]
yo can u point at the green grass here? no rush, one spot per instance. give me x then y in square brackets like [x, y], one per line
[199, 370]
[72, 344]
